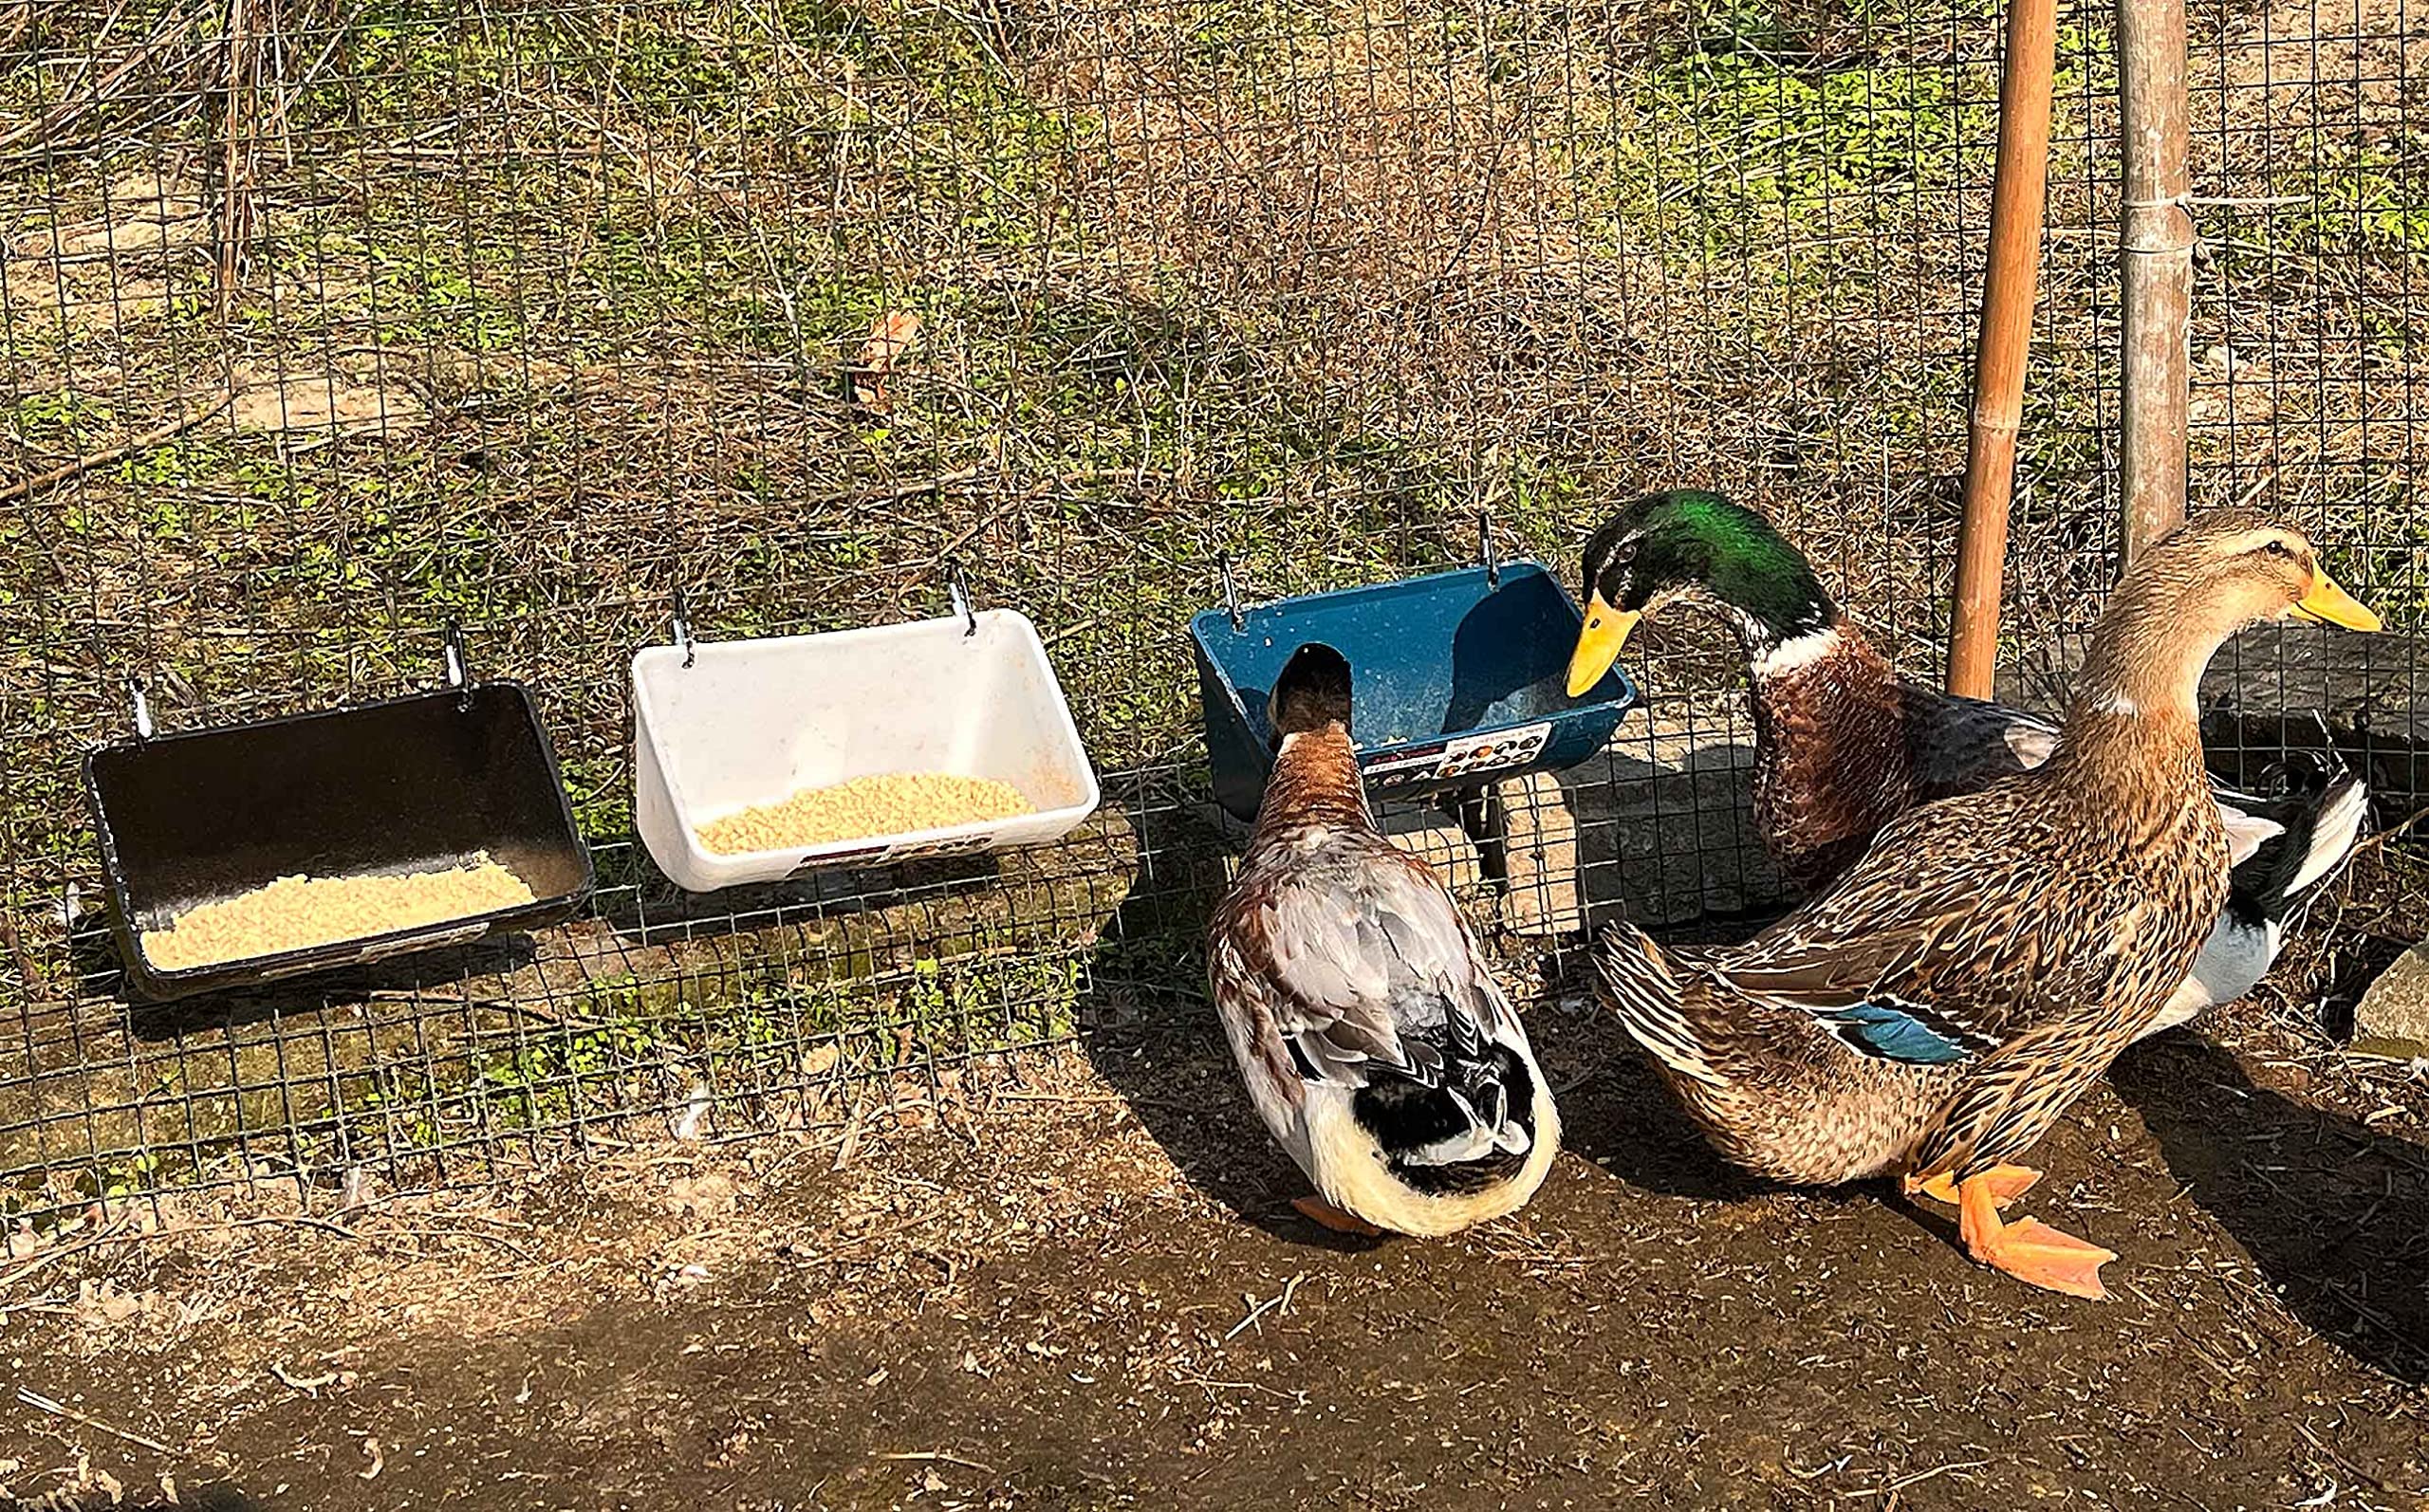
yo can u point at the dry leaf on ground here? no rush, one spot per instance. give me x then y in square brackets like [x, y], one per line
[890, 335]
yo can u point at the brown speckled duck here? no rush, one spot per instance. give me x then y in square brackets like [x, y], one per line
[1842, 744]
[1374, 1042]
[1992, 953]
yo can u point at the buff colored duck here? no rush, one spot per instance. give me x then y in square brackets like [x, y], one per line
[1374, 1042]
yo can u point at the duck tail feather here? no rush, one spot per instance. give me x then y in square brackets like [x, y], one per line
[1642, 986]
[2318, 837]
[2334, 827]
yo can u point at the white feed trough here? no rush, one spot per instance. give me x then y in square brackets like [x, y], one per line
[749, 723]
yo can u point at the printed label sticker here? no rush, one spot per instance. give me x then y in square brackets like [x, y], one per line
[1473, 754]
[1468, 756]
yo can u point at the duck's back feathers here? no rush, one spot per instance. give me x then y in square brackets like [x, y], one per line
[1959, 744]
[1955, 919]
[1952, 960]
[2278, 847]
[1370, 967]
[1954, 746]
[1376, 1044]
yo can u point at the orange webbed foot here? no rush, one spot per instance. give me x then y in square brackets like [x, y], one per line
[1333, 1218]
[2029, 1250]
[2004, 1183]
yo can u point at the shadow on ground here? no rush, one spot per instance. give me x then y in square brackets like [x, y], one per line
[2333, 1212]
[1158, 1045]
[437, 976]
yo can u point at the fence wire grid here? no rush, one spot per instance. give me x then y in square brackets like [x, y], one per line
[328, 325]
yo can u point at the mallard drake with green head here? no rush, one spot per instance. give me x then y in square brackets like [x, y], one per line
[1842, 744]
[1374, 1040]
[1988, 957]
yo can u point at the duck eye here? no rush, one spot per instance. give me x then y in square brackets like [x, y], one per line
[2279, 548]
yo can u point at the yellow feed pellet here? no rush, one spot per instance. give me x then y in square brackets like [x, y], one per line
[296, 911]
[861, 808]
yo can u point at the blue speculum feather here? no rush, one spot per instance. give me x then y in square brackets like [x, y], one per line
[1894, 1035]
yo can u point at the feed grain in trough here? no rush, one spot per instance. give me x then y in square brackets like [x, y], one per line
[719, 728]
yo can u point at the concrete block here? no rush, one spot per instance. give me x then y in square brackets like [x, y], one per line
[1665, 821]
[1434, 836]
[1539, 842]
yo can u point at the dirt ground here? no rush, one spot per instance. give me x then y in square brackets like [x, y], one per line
[1076, 1283]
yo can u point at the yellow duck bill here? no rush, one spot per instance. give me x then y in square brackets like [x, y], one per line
[2326, 604]
[1598, 644]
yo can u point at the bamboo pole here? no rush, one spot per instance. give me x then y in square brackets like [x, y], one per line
[2157, 271]
[2017, 193]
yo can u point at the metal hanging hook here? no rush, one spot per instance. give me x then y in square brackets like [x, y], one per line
[142, 707]
[457, 677]
[683, 627]
[1485, 552]
[1231, 591]
[958, 592]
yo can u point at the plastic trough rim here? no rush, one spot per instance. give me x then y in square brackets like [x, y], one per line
[1068, 817]
[1626, 698]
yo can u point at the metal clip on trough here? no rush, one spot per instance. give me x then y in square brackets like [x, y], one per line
[957, 593]
[1231, 591]
[454, 646]
[142, 707]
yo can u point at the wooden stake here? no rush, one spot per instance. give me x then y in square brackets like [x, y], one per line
[2017, 192]
[2158, 267]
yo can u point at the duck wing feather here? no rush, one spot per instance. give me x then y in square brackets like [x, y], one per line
[1935, 948]
[1369, 965]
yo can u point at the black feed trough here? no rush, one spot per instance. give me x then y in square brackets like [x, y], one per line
[414, 784]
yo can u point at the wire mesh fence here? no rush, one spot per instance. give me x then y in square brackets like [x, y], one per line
[329, 325]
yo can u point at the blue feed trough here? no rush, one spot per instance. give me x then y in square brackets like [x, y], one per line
[1457, 679]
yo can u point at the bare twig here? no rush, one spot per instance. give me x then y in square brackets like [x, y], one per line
[1916, 1478]
[58, 1253]
[240, 102]
[304, 1383]
[510, 1005]
[941, 1457]
[1279, 1299]
[28, 488]
[42, 1403]
[121, 1233]
[81, 102]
